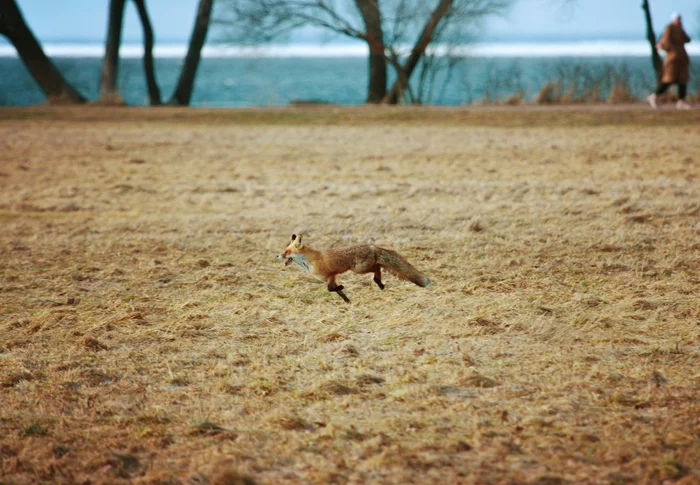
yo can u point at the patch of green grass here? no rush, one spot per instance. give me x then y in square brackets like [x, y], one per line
[34, 429]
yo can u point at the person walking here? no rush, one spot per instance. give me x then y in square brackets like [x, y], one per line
[676, 63]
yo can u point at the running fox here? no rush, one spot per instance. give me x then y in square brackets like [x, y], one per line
[363, 258]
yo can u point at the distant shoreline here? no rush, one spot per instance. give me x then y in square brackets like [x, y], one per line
[589, 48]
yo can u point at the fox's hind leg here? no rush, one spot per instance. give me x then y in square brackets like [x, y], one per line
[378, 277]
[332, 286]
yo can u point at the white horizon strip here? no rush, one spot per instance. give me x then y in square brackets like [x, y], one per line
[486, 49]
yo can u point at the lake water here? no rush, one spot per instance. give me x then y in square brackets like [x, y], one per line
[338, 75]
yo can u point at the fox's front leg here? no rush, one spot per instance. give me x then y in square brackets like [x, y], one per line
[332, 286]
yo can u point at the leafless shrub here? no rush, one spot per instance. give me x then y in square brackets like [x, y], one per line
[620, 93]
[570, 83]
[550, 93]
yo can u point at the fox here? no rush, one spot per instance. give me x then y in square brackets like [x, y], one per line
[361, 259]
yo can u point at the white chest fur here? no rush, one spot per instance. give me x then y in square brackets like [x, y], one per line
[302, 261]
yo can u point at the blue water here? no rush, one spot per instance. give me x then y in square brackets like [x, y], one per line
[239, 82]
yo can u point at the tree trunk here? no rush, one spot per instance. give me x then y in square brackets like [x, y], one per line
[651, 37]
[183, 91]
[376, 89]
[49, 78]
[424, 40]
[148, 67]
[404, 92]
[110, 63]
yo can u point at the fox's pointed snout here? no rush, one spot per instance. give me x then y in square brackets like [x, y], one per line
[287, 258]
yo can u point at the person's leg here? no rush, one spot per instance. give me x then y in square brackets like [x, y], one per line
[661, 89]
[682, 91]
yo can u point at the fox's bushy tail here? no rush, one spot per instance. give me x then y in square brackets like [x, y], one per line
[397, 264]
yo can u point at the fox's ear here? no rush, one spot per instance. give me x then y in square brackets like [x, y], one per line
[298, 241]
[294, 236]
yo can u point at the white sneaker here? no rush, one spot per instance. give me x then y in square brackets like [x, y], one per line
[652, 101]
[682, 104]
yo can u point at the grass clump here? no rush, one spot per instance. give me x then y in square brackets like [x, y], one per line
[34, 429]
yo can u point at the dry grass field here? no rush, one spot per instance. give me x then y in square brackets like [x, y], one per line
[148, 334]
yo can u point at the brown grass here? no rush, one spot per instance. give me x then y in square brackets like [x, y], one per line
[148, 334]
[621, 93]
[549, 93]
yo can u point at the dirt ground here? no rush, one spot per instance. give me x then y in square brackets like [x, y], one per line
[148, 334]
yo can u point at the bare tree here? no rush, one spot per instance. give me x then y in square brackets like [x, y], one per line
[449, 17]
[49, 78]
[185, 84]
[424, 39]
[261, 21]
[110, 65]
[651, 37]
[385, 26]
[110, 62]
[14, 27]
[374, 36]
[148, 64]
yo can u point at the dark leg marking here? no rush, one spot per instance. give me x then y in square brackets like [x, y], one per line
[378, 277]
[338, 289]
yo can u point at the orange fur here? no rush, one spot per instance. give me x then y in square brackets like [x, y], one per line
[362, 258]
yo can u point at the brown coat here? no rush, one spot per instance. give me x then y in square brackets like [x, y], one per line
[677, 63]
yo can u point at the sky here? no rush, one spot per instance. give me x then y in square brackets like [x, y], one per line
[527, 20]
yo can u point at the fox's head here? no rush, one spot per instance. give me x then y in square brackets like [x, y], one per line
[293, 249]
